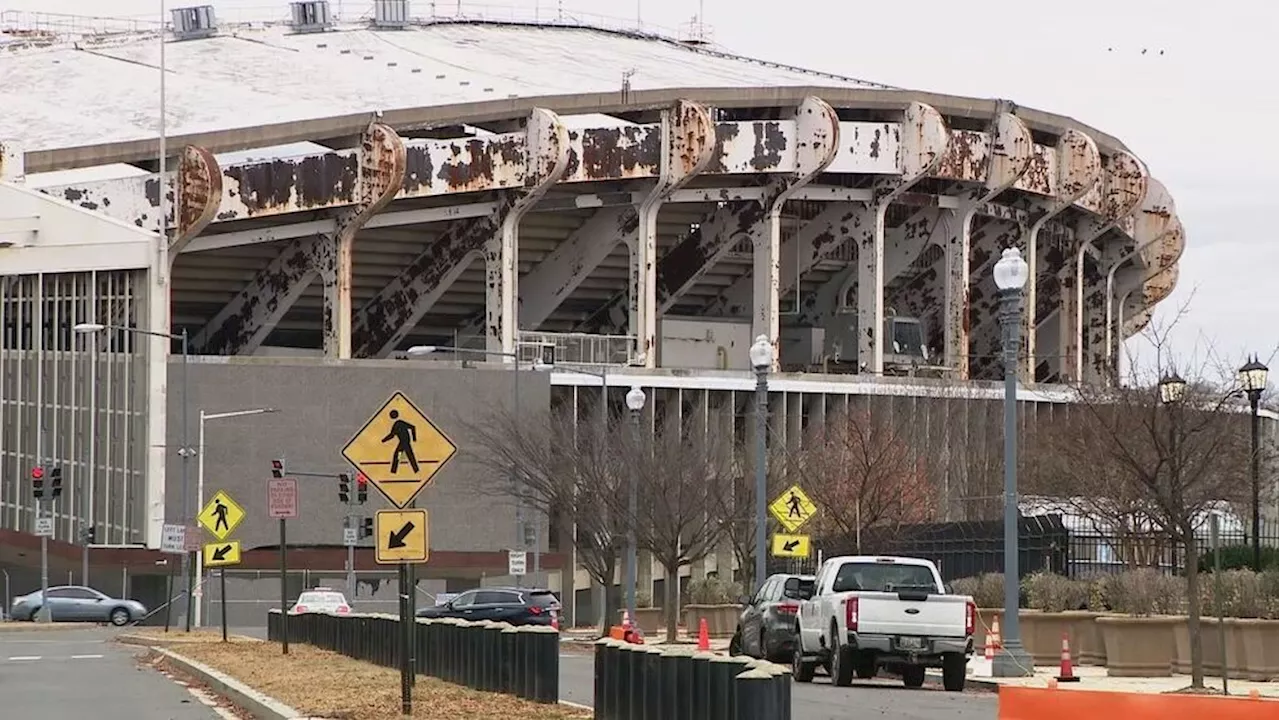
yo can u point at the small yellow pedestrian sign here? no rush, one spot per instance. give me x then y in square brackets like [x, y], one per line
[790, 546]
[222, 553]
[792, 508]
[221, 516]
[399, 450]
[401, 536]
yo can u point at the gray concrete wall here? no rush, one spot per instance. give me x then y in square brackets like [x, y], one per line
[320, 406]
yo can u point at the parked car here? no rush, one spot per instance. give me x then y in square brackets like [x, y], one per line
[518, 606]
[321, 600]
[767, 626]
[893, 612]
[76, 603]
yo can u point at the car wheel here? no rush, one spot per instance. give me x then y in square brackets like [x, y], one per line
[801, 671]
[35, 614]
[735, 644]
[841, 661]
[764, 647]
[120, 617]
[953, 671]
[913, 675]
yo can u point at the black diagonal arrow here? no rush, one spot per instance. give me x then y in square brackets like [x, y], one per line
[221, 553]
[790, 545]
[396, 539]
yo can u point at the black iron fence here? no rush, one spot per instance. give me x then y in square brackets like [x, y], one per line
[495, 657]
[640, 681]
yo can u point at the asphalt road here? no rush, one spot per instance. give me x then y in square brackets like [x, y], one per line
[82, 674]
[821, 701]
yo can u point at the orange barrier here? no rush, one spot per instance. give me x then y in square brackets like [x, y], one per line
[1020, 703]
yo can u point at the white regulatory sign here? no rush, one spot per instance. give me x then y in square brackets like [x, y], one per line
[173, 539]
[517, 562]
[44, 527]
[350, 536]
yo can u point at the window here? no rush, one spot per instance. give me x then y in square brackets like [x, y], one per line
[883, 577]
[465, 599]
[545, 599]
[77, 593]
[62, 592]
[322, 598]
[497, 597]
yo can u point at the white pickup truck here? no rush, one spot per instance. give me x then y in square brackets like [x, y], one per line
[868, 612]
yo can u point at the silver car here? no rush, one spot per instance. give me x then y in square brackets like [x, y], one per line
[76, 603]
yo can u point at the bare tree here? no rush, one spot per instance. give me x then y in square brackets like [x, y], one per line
[737, 504]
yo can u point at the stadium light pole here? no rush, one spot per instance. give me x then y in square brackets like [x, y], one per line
[635, 403]
[761, 354]
[1253, 380]
[1012, 660]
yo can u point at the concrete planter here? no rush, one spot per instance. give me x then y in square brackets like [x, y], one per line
[722, 620]
[1208, 643]
[1041, 633]
[1139, 646]
[649, 620]
[1087, 647]
[1259, 647]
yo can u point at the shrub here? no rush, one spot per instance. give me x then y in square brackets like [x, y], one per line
[1145, 592]
[643, 600]
[1099, 599]
[1245, 594]
[1054, 593]
[986, 589]
[1240, 557]
[714, 591]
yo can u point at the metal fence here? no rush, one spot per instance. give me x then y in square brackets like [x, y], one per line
[251, 594]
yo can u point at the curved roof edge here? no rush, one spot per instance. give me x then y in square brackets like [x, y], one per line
[342, 126]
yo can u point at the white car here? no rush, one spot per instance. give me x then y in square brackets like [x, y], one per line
[321, 600]
[868, 612]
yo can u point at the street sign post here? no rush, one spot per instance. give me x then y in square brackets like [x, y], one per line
[221, 516]
[791, 546]
[399, 450]
[517, 563]
[44, 527]
[792, 508]
[351, 536]
[401, 536]
[282, 498]
[222, 554]
[173, 539]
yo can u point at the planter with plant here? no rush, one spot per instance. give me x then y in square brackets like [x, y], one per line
[717, 602]
[987, 591]
[1058, 604]
[1140, 642]
[648, 618]
[1249, 602]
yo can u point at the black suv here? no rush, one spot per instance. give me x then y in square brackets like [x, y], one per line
[767, 626]
[518, 606]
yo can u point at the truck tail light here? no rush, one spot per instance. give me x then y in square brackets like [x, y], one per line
[851, 614]
[789, 608]
[299, 608]
[343, 609]
[970, 617]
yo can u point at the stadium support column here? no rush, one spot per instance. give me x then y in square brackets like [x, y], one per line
[546, 158]
[1008, 157]
[924, 142]
[1079, 171]
[816, 143]
[1153, 271]
[382, 166]
[688, 138]
[199, 194]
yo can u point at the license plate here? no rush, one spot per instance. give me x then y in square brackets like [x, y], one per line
[911, 643]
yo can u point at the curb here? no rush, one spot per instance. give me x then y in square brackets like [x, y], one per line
[579, 706]
[260, 706]
[144, 641]
[969, 682]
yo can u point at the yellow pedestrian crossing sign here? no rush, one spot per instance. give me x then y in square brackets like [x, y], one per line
[792, 508]
[221, 516]
[792, 546]
[399, 450]
[402, 536]
[222, 553]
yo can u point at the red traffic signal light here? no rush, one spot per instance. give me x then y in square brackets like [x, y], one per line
[277, 468]
[37, 472]
[362, 479]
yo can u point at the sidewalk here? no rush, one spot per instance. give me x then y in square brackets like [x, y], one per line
[1095, 678]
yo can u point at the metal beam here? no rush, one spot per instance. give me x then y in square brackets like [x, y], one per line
[199, 194]
[555, 278]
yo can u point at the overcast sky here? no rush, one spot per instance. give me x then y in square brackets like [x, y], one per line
[1193, 88]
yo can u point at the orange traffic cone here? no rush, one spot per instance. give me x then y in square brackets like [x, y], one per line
[1064, 667]
[989, 647]
[993, 637]
[704, 637]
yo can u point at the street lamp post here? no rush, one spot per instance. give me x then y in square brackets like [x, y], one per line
[1012, 660]
[761, 354]
[635, 403]
[1253, 380]
[185, 451]
[87, 481]
[205, 417]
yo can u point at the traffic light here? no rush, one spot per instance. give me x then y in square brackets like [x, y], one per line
[55, 481]
[37, 482]
[366, 528]
[362, 488]
[277, 468]
[344, 488]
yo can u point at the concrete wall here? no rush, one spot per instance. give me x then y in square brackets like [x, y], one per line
[320, 406]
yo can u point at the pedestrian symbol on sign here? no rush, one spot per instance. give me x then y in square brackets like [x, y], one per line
[405, 435]
[399, 450]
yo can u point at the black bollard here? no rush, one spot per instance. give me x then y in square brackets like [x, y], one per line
[472, 634]
[700, 674]
[606, 677]
[721, 702]
[625, 700]
[546, 664]
[480, 645]
[522, 665]
[680, 687]
[669, 667]
[507, 659]
[752, 689]
[653, 684]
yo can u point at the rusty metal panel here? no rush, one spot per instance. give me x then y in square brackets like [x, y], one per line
[692, 135]
[546, 150]
[285, 185]
[868, 147]
[1154, 217]
[753, 147]
[967, 157]
[440, 167]
[1079, 169]
[134, 200]
[615, 153]
[199, 192]
[1160, 287]
[382, 168]
[1041, 175]
[1124, 187]
[924, 138]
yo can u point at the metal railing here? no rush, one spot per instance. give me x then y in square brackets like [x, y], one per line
[578, 348]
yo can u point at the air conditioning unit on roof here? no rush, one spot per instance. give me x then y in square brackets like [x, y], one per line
[392, 14]
[311, 16]
[191, 23]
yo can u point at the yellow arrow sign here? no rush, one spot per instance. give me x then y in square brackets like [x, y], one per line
[792, 546]
[401, 536]
[221, 516]
[792, 508]
[399, 450]
[222, 553]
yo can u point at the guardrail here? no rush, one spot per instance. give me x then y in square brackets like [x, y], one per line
[523, 661]
[641, 681]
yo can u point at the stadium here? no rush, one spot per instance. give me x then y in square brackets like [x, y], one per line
[630, 207]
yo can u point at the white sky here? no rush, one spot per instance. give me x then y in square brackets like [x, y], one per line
[1204, 115]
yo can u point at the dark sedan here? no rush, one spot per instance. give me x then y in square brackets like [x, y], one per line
[518, 606]
[767, 626]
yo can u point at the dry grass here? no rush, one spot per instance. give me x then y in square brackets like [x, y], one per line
[325, 684]
[200, 635]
